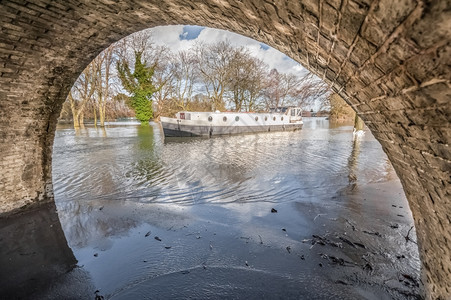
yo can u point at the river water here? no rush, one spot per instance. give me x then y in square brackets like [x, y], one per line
[149, 218]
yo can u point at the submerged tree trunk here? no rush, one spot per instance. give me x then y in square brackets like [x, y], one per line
[75, 118]
[75, 111]
[102, 112]
[76, 122]
[95, 116]
[82, 119]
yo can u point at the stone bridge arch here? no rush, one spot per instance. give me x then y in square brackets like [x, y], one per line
[389, 59]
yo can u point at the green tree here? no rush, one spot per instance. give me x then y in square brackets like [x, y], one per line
[139, 84]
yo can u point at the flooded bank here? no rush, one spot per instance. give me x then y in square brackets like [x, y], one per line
[309, 214]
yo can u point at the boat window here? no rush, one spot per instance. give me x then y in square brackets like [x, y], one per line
[224, 119]
[266, 118]
[274, 118]
[210, 118]
[256, 118]
[293, 112]
[281, 118]
[237, 118]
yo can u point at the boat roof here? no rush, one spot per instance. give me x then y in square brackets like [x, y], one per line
[289, 106]
[272, 109]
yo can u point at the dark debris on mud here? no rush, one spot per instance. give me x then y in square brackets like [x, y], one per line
[402, 286]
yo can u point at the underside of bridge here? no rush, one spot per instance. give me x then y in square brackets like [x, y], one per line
[389, 59]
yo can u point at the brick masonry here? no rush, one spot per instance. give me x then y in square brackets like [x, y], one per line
[389, 59]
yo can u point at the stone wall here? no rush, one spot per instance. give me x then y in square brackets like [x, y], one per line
[389, 59]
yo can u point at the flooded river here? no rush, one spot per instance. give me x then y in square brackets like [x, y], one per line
[311, 214]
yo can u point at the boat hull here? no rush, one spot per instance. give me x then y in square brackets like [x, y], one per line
[181, 130]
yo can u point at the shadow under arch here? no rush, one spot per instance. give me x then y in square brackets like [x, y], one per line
[388, 66]
[35, 258]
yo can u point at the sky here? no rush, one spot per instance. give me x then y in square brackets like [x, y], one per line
[181, 37]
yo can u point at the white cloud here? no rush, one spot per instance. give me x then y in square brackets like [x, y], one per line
[170, 37]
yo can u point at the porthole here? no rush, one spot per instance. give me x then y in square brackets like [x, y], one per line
[210, 118]
[237, 118]
[224, 119]
[281, 119]
[266, 118]
[256, 118]
[274, 118]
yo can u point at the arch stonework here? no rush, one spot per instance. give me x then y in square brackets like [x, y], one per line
[389, 59]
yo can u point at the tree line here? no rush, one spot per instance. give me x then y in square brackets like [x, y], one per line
[135, 77]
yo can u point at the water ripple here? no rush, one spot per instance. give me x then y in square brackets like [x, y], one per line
[133, 163]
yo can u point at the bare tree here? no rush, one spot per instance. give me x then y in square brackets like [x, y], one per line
[103, 64]
[163, 79]
[237, 76]
[256, 81]
[310, 89]
[279, 87]
[290, 89]
[140, 41]
[246, 77]
[81, 93]
[184, 79]
[213, 66]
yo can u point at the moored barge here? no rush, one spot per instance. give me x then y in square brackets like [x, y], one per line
[192, 124]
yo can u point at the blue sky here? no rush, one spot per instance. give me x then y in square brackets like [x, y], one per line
[181, 37]
[190, 32]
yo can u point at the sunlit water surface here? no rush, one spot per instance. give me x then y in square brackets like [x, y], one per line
[181, 218]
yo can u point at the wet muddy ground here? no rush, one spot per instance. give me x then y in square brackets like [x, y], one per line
[313, 214]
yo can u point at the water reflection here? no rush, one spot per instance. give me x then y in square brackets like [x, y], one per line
[139, 211]
[146, 138]
[103, 129]
[134, 164]
[352, 162]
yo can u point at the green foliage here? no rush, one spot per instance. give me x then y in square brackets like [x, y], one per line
[139, 84]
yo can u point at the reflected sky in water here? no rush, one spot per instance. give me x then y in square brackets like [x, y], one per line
[210, 200]
[133, 163]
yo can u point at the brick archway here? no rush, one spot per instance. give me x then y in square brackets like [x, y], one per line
[389, 59]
